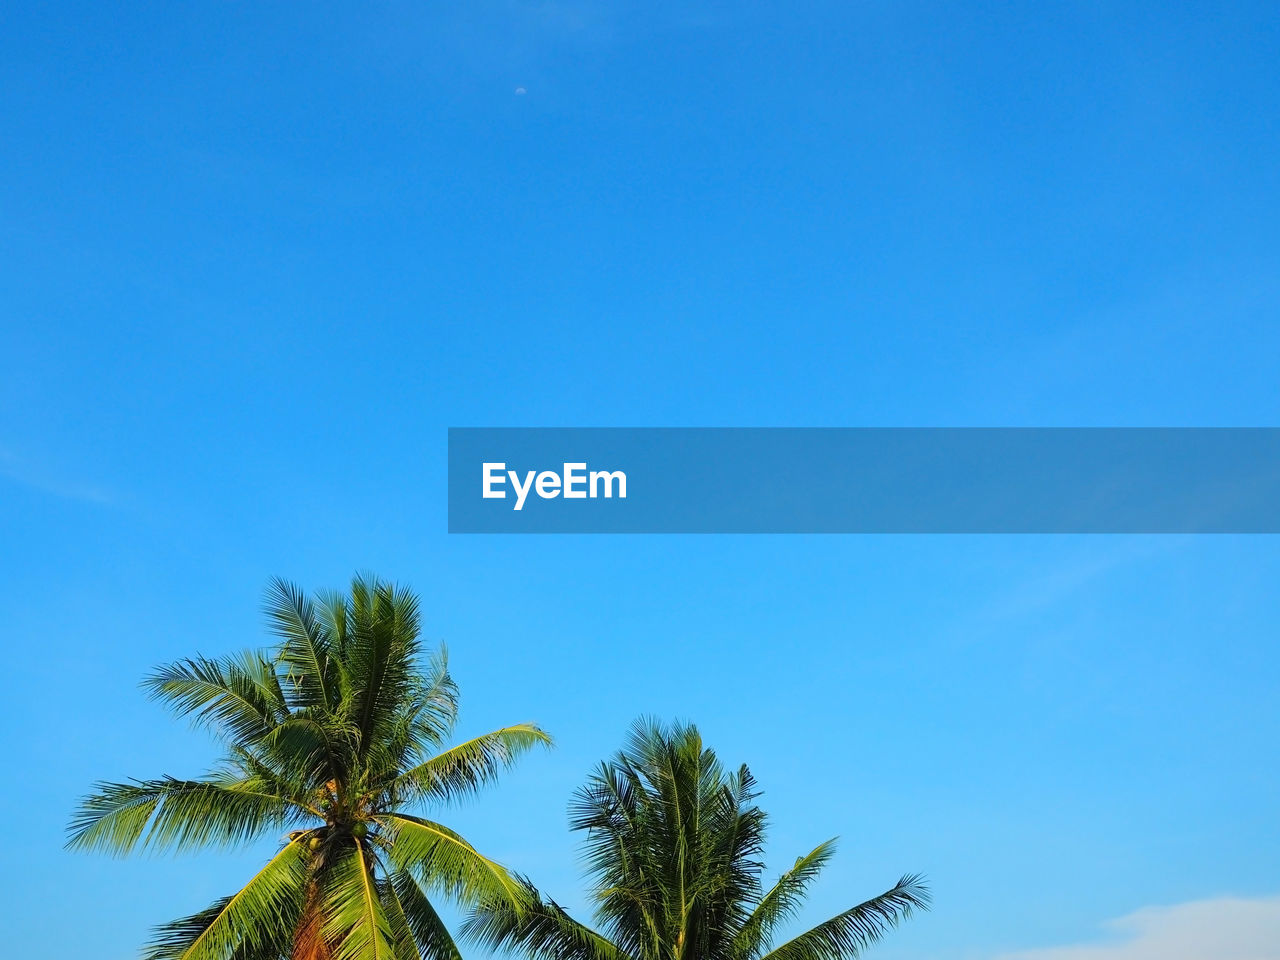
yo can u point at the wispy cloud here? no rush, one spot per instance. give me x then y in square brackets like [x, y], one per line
[18, 470]
[1227, 928]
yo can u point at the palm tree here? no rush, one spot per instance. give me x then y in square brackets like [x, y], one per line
[673, 845]
[337, 737]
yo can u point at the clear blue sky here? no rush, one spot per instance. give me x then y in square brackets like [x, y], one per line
[257, 258]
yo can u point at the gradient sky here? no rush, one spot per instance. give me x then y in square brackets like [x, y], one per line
[257, 259]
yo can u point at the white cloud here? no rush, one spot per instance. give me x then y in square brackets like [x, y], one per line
[1228, 928]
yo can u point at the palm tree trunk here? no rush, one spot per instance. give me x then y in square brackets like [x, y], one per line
[308, 940]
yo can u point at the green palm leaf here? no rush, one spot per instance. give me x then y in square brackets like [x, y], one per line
[170, 814]
[441, 859]
[430, 935]
[847, 934]
[356, 924]
[240, 697]
[470, 766]
[340, 734]
[782, 901]
[538, 927]
[673, 847]
[254, 924]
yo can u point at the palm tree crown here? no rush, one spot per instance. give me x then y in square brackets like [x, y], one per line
[673, 846]
[337, 738]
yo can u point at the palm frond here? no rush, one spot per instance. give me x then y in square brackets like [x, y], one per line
[171, 814]
[380, 657]
[169, 941]
[537, 927]
[311, 747]
[847, 934]
[629, 869]
[238, 697]
[440, 859]
[312, 672]
[337, 729]
[429, 932]
[463, 770]
[781, 902]
[256, 923]
[673, 846]
[355, 921]
[403, 946]
[435, 708]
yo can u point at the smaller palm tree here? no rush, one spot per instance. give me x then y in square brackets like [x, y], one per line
[673, 843]
[338, 737]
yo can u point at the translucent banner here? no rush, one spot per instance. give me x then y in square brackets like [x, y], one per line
[864, 480]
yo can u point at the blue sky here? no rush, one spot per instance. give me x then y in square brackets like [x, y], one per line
[256, 261]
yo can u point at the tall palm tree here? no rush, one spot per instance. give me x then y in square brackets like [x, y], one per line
[337, 737]
[673, 845]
